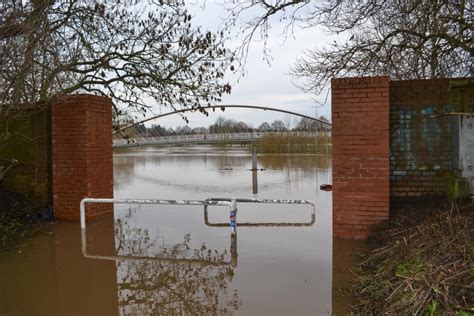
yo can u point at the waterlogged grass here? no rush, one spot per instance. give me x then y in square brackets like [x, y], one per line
[279, 144]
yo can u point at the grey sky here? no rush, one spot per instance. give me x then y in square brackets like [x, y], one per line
[263, 84]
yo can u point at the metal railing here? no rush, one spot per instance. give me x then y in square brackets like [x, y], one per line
[227, 202]
[310, 222]
[233, 261]
[205, 138]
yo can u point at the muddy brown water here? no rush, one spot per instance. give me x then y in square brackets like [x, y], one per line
[174, 263]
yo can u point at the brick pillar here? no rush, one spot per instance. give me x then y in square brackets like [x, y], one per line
[360, 131]
[81, 155]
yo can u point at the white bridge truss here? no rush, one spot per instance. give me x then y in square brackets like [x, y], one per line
[206, 138]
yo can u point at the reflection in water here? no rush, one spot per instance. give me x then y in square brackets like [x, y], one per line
[346, 256]
[226, 164]
[152, 287]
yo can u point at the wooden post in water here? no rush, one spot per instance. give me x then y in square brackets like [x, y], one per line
[254, 170]
[254, 182]
[254, 158]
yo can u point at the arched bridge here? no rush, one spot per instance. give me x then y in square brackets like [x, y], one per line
[136, 134]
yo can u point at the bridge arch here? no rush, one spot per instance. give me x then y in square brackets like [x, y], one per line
[241, 106]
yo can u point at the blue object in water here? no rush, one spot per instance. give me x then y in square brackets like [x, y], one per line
[46, 214]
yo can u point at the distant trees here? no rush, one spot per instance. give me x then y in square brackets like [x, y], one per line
[157, 130]
[183, 130]
[224, 125]
[264, 127]
[199, 130]
[323, 118]
[131, 51]
[278, 126]
[306, 124]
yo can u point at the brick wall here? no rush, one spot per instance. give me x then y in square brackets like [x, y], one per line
[421, 145]
[25, 137]
[360, 115]
[82, 155]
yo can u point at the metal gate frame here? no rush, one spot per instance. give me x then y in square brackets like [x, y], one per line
[230, 203]
[210, 202]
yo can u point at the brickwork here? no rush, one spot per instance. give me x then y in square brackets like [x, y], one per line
[82, 155]
[421, 143]
[26, 138]
[360, 115]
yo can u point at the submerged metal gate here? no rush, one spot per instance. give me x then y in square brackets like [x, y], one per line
[227, 202]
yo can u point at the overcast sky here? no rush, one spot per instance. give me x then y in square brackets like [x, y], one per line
[263, 84]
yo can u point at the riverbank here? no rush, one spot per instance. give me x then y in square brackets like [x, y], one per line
[421, 262]
[18, 219]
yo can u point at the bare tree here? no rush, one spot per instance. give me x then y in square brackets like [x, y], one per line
[131, 51]
[306, 124]
[278, 126]
[403, 39]
[264, 127]
[223, 125]
[323, 118]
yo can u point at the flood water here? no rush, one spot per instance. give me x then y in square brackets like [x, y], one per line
[177, 260]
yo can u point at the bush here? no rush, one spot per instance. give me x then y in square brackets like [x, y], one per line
[18, 219]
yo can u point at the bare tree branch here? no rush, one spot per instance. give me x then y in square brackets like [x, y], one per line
[131, 51]
[403, 39]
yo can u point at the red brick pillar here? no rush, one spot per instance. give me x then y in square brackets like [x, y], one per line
[361, 155]
[81, 155]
